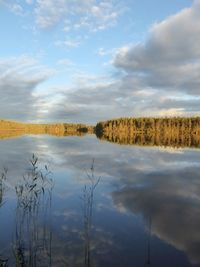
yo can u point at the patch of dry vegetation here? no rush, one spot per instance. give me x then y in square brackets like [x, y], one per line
[9, 129]
[174, 132]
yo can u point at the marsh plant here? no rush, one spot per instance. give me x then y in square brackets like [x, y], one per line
[2, 185]
[3, 262]
[32, 239]
[33, 236]
[148, 252]
[88, 203]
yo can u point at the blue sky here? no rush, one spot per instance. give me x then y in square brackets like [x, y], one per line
[89, 60]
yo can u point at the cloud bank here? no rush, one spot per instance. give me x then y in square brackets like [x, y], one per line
[169, 59]
[19, 77]
[159, 77]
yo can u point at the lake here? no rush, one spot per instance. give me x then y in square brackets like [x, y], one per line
[98, 203]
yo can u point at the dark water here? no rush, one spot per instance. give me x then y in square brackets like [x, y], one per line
[143, 211]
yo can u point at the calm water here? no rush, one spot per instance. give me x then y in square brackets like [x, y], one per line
[143, 211]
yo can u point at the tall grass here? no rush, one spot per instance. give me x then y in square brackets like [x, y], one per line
[32, 241]
[3, 262]
[2, 185]
[88, 202]
[32, 238]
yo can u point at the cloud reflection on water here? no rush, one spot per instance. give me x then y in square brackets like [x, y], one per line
[152, 182]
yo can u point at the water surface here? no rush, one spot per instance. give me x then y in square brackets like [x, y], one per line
[144, 209]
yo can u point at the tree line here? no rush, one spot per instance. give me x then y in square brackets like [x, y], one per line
[12, 129]
[144, 125]
[174, 132]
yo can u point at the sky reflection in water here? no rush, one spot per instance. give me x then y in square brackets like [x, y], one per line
[137, 185]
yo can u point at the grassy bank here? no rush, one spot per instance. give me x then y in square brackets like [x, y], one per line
[12, 129]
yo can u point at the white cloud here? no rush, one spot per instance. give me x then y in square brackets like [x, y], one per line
[170, 58]
[91, 14]
[14, 7]
[68, 43]
[17, 9]
[65, 62]
[152, 78]
[30, 2]
[19, 77]
[105, 52]
[101, 51]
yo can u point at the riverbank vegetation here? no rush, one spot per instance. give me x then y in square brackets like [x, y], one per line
[151, 125]
[14, 129]
[174, 131]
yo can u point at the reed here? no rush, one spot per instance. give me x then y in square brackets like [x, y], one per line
[32, 242]
[88, 202]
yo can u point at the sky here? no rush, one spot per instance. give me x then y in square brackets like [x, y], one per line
[93, 60]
